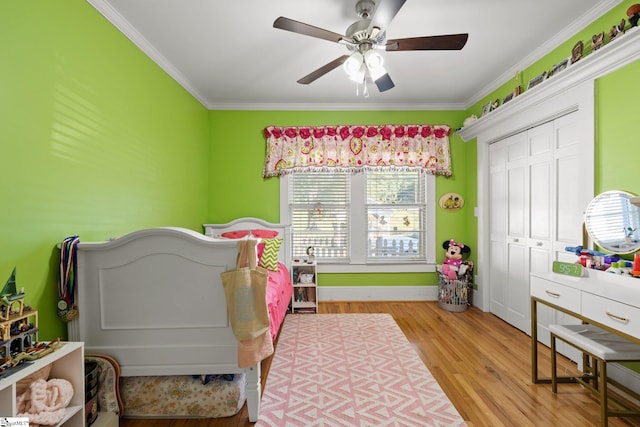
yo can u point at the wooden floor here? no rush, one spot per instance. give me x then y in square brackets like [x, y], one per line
[482, 363]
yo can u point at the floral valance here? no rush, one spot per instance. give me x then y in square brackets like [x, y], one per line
[354, 148]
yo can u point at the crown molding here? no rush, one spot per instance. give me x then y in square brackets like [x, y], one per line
[113, 16]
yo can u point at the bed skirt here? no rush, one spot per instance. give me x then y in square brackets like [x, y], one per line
[183, 396]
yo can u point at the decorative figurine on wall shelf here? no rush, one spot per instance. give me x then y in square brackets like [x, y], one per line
[634, 14]
[617, 30]
[597, 41]
[518, 89]
[576, 52]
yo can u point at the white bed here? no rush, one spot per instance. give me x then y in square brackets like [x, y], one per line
[153, 300]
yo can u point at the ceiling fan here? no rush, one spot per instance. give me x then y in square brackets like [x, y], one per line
[364, 38]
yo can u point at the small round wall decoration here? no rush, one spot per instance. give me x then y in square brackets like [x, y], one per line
[451, 202]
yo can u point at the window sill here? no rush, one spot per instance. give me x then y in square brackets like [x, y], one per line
[409, 267]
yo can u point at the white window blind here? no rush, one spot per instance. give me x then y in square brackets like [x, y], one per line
[396, 215]
[319, 213]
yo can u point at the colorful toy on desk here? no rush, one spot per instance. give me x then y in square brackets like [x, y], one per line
[578, 250]
[454, 253]
[635, 272]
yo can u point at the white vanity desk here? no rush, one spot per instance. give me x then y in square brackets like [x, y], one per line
[607, 300]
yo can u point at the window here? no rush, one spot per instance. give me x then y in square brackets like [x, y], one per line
[363, 222]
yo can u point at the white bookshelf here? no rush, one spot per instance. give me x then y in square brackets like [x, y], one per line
[67, 362]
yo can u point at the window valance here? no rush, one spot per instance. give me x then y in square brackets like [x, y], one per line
[354, 148]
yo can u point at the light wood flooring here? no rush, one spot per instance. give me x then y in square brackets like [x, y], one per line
[482, 363]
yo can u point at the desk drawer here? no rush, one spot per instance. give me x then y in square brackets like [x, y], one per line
[614, 314]
[556, 293]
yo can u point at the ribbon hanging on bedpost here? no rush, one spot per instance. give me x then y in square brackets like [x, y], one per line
[67, 279]
[424, 148]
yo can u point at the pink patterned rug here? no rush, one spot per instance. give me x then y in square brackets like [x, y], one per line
[350, 370]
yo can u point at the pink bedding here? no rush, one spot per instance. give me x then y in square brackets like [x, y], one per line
[279, 290]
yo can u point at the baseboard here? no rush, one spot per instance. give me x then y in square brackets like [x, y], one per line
[377, 293]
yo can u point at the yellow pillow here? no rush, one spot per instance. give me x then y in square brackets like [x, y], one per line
[269, 257]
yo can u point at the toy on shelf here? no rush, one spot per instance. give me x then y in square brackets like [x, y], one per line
[10, 296]
[18, 327]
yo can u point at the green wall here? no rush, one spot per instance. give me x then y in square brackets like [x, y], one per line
[96, 140]
[237, 139]
[617, 138]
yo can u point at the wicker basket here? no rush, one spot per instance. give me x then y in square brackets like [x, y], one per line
[453, 295]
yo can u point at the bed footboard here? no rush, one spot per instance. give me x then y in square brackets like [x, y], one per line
[153, 300]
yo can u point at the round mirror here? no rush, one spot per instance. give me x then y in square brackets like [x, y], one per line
[613, 222]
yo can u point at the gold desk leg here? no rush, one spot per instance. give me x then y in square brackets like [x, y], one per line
[534, 341]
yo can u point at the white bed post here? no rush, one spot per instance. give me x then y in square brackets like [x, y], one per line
[252, 390]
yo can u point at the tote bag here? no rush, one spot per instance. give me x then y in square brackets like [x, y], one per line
[245, 289]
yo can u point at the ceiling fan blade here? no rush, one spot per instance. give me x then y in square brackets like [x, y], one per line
[384, 13]
[447, 42]
[384, 83]
[308, 30]
[309, 78]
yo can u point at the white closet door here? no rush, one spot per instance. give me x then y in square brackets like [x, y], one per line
[574, 181]
[573, 191]
[498, 229]
[540, 208]
[518, 306]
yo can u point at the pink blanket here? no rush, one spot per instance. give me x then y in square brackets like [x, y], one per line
[44, 402]
[279, 290]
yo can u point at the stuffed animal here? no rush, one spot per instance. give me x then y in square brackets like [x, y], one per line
[454, 253]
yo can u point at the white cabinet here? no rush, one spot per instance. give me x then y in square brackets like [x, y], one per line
[304, 278]
[537, 199]
[67, 362]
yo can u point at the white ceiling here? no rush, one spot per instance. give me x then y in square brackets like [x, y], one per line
[228, 55]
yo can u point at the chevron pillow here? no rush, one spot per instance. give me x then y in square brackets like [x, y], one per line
[269, 257]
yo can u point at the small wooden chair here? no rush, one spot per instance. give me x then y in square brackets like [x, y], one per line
[599, 347]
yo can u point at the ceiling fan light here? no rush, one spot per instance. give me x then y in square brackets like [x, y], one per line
[373, 59]
[359, 75]
[353, 64]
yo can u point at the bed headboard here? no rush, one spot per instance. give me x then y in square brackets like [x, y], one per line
[215, 230]
[153, 299]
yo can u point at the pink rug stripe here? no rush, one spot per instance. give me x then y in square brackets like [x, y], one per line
[350, 370]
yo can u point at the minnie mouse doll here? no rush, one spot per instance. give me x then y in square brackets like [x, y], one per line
[454, 252]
